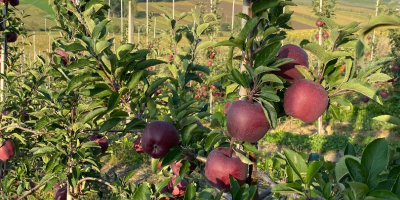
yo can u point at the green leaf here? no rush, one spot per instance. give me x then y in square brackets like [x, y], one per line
[359, 189]
[190, 193]
[388, 119]
[312, 170]
[42, 122]
[363, 88]
[155, 85]
[350, 150]
[269, 111]
[288, 188]
[250, 147]
[89, 145]
[356, 170]
[305, 72]
[379, 77]
[100, 27]
[113, 101]
[381, 194]
[94, 114]
[375, 159]
[50, 184]
[200, 29]
[267, 54]
[134, 79]
[75, 47]
[129, 175]
[271, 78]
[175, 153]
[261, 6]
[396, 187]
[386, 21]
[161, 184]
[142, 193]
[109, 124]
[37, 151]
[102, 45]
[243, 158]
[239, 78]
[297, 163]
[341, 168]
[81, 80]
[211, 139]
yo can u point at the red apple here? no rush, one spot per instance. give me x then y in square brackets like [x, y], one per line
[395, 68]
[222, 162]
[158, 137]
[14, 2]
[288, 70]
[317, 36]
[211, 56]
[200, 74]
[64, 56]
[228, 105]
[7, 150]
[247, 121]
[150, 68]
[305, 100]
[159, 91]
[326, 34]
[170, 57]
[60, 193]
[204, 88]
[196, 96]
[384, 93]
[365, 99]
[209, 63]
[11, 37]
[137, 145]
[319, 23]
[101, 140]
[368, 37]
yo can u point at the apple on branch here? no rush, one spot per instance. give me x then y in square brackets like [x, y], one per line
[158, 137]
[222, 162]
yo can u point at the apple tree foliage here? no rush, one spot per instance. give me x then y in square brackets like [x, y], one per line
[94, 89]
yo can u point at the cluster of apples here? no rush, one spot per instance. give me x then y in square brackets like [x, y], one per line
[320, 23]
[211, 53]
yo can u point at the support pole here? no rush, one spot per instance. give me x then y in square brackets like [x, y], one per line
[173, 9]
[3, 52]
[233, 15]
[245, 10]
[155, 23]
[319, 64]
[147, 23]
[130, 25]
[373, 36]
[122, 20]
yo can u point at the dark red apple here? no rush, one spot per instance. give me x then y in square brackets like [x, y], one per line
[305, 100]
[12, 37]
[101, 140]
[395, 68]
[158, 137]
[247, 121]
[137, 145]
[222, 162]
[319, 23]
[14, 2]
[368, 37]
[7, 150]
[384, 93]
[179, 189]
[228, 105]
[25, 115]
[288, 70]
[60, 193]
[365, 99]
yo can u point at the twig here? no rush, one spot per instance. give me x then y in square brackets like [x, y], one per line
[22, 128]
[98, 180]
[113, 130]
[35, 188]
[193, 155]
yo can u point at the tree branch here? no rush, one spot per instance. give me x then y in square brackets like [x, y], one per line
[98, 180]
[24, 129]
[32, 190]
